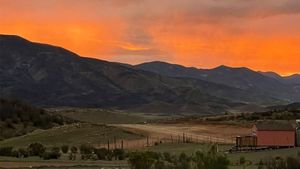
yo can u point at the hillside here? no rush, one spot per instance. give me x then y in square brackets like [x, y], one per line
[241, 78]
[18, 118]
[72, 134]
[51, 76]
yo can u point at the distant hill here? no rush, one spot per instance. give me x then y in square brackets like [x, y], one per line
[18, 118]
[292, 79]
[51, 76]
[292, 106]
[240, 78]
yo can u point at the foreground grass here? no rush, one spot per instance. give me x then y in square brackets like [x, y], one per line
[73, 134]
[175, 149]
[254, 157]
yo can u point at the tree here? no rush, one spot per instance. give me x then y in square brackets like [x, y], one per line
[86, 149]
[36, 149]
[6, 151]
[119, 154]
[23, 153]
[53, 154]
[101, 153]
[74, 149]
[65, 149]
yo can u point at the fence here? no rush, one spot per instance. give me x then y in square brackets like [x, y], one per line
[172, 139]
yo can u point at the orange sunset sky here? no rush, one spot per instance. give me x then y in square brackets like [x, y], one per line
[259, 34]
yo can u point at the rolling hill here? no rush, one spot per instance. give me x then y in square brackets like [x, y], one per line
[18, 118]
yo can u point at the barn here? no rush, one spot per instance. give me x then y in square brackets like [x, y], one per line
[274, 134]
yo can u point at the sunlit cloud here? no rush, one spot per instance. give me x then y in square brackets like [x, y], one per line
[262, 35]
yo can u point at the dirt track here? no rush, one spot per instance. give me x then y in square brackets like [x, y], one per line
[209, 133]
[30, 164]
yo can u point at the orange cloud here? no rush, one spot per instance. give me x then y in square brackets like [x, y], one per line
[261, 35]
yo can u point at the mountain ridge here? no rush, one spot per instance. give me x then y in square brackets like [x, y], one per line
[52, 76]
[242, 78]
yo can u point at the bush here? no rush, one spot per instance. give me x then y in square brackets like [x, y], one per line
[55, 150]
[74, 150]
[280, 163]
[36, 149]
[202, 160]
[22, 153]
[167, 157]
[101, 153]
[292, 163]
[72, 156]
[119, 154]
[50, 155]
[141, 160]
[65, 149]
[53, 154]
[6, 151]
[86, 149]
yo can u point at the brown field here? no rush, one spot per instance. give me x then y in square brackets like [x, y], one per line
[196, 132]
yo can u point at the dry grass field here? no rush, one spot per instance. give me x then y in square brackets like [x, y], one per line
[199, 132]
[73, 134]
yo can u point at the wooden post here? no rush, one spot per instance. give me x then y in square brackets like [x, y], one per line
[122, 144]
[147, 141]
[108, 145]
[115, 142]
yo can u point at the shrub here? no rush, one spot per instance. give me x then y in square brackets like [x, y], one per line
[53, 154]
[101, 153]
[167, 157]
[119, 154]
[55, 150]
[86, 149]
[140, 160]
[6, 151]
[184, 162]
[72, 156]
[50, 155]
[292, 163]
[211, 159]
[74, 150]
[23, 153]
[65, 149]
[36, 149]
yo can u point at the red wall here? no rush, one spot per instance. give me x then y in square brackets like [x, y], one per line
[275, 138]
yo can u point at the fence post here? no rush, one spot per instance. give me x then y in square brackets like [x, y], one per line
[108, 145]
[147, 141]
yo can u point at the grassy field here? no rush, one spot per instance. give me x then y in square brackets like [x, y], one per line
[254, 157]
[73, 134]
[102, 116]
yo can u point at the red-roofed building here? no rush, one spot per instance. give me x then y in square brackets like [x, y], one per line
[274, 134]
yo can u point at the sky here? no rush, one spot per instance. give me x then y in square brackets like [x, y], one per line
[259, 34]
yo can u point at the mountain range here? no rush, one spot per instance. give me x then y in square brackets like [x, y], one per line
[51, 76]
